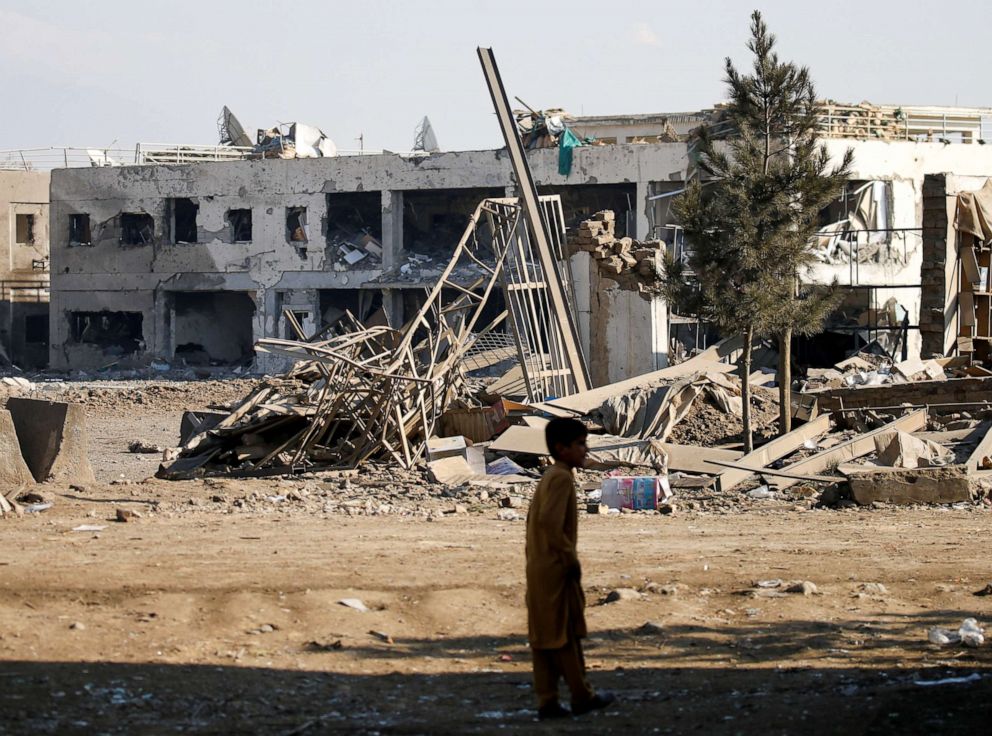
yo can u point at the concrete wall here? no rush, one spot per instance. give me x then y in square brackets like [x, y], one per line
[623, 337]
[622, 333]
[23, 288]
[905, 164]
[275, 271]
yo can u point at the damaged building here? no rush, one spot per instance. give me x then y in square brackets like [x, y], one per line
[24, 269]
[196, 262]
[193, 263]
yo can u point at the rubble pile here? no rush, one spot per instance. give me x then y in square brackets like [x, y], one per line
[542, 128]
[863, 120]
[635, 265]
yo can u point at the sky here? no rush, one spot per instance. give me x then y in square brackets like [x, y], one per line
[110, 73]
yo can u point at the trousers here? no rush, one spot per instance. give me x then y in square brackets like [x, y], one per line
[550, 665]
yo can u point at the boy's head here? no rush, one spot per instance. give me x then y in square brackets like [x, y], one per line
[566, 440]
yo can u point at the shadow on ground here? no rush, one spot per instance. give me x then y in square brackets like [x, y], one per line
[680, 681]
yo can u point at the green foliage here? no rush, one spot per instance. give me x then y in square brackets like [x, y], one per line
[751, 220]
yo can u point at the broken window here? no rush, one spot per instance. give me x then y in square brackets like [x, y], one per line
[184, 220]
[213, 327]
[857, 227]
[296, 225]
[79, 230]
[137, 228]
[435, 220]
[579, 202]
[36, 329]
[25, 229]
[301, 317]
[354, 226]
[118, 332]
[240, 221]
[336, 303]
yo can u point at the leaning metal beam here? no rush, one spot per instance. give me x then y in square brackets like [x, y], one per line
[538, 228]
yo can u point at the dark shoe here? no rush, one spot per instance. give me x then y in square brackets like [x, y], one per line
[554, 710]
[597, 702]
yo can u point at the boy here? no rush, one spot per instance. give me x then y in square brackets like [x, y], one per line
[555, 619]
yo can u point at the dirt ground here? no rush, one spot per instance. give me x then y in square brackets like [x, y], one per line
[217, 611]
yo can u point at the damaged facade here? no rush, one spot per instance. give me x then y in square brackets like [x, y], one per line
[196, 262]
[24, 268]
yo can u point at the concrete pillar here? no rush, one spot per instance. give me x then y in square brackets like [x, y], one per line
[160, 335]
[581, 265]
[392, 229]
[641, 205]
[392, 304]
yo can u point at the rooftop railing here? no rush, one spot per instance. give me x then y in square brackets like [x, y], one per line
[143, 154]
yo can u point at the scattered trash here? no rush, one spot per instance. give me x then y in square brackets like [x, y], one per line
[762, 492]
[805, 587]
[873, 589]
[89, 528]
[382, 636]
[970, 634]
[37, 508]
[973, 677]
[146, 448]
[622, 594]
[353, 603]
[635, 493]
[773, 583]
[126, 515]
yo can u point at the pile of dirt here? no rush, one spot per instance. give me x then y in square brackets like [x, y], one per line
[707, 425]
[154, 396]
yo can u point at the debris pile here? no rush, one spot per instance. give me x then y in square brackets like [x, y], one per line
[350, 248]
[371, 392]
[293, 140]
[635, 265]
[542, 128]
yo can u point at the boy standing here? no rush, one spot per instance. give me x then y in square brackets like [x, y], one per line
[555, 601]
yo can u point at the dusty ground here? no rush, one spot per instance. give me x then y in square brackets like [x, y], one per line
[217, 611]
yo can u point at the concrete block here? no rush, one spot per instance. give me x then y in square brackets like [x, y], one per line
[52, 437]
[948, 484]
[13, 470]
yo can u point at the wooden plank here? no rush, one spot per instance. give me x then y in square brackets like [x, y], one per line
[955, 435]
[693, 459]
[969, 264]
[683, 458]
[981, 458]
[967, 302]
[776, 473]
[586, 401]
[859, 446]
[773, 450]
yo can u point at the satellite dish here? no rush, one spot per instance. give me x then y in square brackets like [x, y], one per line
[231, 132]
[424, 138]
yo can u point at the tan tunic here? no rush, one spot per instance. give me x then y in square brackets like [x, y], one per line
[554, 603]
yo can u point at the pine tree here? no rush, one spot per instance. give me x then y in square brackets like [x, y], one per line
[751, 220]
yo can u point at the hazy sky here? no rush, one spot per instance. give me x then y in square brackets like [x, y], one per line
[89, 73]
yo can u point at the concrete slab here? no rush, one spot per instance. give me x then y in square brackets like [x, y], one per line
[948, 484]
[52, 437]
[13, 470]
